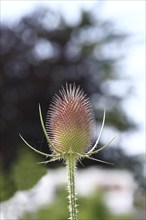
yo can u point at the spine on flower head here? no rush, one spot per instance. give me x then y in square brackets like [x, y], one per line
[70, 120]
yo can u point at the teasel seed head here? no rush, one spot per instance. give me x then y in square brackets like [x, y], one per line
[70, 120]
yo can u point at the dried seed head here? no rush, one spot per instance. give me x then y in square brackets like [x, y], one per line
[70, 120]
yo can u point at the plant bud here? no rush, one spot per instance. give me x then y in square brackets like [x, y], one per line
[70, 121]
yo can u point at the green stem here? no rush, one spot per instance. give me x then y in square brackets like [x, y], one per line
[71, 162]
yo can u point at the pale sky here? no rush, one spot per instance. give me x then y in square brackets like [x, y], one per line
[129, 16]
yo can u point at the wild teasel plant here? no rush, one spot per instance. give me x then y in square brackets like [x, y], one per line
[69, 133]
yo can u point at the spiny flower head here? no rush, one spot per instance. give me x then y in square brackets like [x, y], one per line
[70, 120]
[69, 127]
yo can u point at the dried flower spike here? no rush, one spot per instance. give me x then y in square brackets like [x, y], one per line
[68, 131]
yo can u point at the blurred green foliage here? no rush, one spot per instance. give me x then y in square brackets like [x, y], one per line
[90, 208]
[7, 186]
[24, 173]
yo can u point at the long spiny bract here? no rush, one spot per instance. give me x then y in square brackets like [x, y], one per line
[45, 133]
[100, 133]
[33, 148]
[64, 155]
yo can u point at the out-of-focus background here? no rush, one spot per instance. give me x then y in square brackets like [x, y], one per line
[99, 45]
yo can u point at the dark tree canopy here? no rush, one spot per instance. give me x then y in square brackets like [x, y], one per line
[40, 54]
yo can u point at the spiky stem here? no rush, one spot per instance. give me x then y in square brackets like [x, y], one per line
[71, 163]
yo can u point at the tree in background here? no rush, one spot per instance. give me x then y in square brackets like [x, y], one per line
[41, 53]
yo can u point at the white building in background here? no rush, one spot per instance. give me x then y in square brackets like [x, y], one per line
[119, 187]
